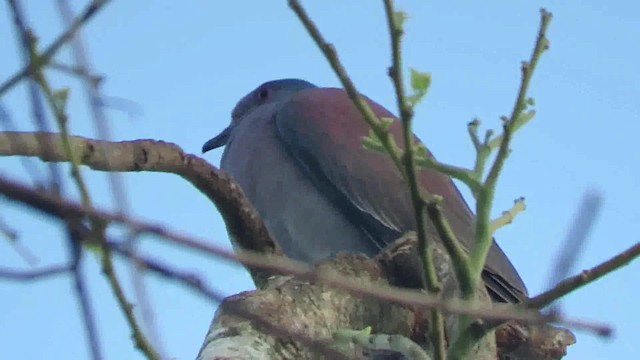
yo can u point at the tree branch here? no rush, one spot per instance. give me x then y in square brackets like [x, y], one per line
[286, 302]
[425, 252]
[585, 277]
[38, 274]
[157, 156]
[87, 13]
[149, 155]
[239, 215]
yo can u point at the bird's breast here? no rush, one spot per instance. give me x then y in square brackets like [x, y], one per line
[298, 216]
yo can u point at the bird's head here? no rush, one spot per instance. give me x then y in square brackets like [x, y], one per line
[268, 93]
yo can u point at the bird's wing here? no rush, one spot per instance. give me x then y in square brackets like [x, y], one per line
[322, 130]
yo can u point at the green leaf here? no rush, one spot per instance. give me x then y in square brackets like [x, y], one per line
[420, 82]
[399, 17]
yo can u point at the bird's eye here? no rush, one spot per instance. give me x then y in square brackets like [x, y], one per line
[263, 94]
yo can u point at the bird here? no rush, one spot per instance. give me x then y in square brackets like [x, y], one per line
[295, 150]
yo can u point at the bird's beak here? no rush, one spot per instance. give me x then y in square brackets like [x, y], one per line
[218, 141]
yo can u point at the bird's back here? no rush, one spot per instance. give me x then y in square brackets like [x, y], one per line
[322, 129]
[301, 163]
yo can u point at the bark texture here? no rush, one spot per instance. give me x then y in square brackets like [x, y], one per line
[313, 311]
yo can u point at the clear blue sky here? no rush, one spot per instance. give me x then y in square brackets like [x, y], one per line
[185, 64]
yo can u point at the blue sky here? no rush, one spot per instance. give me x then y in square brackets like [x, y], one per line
[179, 67]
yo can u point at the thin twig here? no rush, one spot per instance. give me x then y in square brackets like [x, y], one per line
[470, 334]
[75, 240]
[35, 97]
[184, 278]
[127, 308]
[484, 239]
[101, 127]
[363, 107]
[37, 61]
[38, 274]
[195, 283]
[100, 120]
[508, 215]
[585, 277]
[463, 174]
[85, 15]
[408, 159]
[23, 251]
[76, 71]
[156, 156]
[583, 222]
[61, 117]
[7, 231]
[58, 207]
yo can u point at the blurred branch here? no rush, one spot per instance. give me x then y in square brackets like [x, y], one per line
[57, 101]
[45, 56]
[197, 284]
[7, 231]
[35, 96]
[91, 87]
[28, 42]
[147, 155]
[74, 242]
[333, 310]
[12, 236]
[38, 274]
[587, 276]
[511, 337]
[155, 156]
[76, 71]
[94, 97]
[583, 222]
[137, 333]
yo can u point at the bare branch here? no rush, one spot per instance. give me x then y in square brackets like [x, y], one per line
[61, 208]
[242, 221]
[587, 276]
[87, 13]
[159, 156]
[35, 96]
[38, 274]
[425, 251]
[483, 236]
[74, 242]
